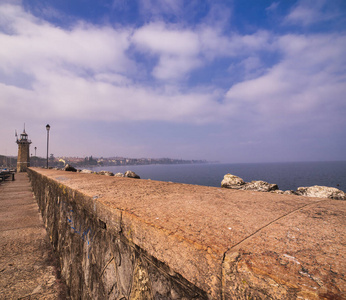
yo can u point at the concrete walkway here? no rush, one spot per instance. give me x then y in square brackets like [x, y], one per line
[28, 269]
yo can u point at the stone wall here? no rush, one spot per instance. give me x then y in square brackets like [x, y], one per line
[122, 238]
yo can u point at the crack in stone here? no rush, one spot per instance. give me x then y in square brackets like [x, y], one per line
[270, 223]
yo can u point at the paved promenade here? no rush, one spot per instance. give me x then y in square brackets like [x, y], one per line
[27, 265]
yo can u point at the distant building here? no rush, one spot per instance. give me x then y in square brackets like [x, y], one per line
[23, 161]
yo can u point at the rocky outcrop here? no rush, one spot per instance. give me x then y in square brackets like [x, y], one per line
[321, 192]
[234, 182]
[131, 174]
[288, 192]
[86, 171]
[69, 168]
[260, 186]
[106, 173]
[128, 174]
[119, 175]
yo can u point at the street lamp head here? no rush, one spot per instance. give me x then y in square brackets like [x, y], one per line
[47, 127]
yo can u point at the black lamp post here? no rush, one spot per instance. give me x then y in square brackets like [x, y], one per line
[47, 127]
[35, 157]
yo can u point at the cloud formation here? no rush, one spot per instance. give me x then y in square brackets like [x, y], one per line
[309, 12]
[156, 71]
[309, 75]
[86, 69]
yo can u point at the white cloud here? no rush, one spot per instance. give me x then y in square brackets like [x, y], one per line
[175, 67]
[214, 43]
[181, 50]
[162, 39]
[99, 74]
[177, 49]
[85, 72]
[253, 67]
[36, 44]
[272, 7]
[309, 80]
[308, 12]
[113, 78]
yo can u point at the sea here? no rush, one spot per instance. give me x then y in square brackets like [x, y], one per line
[287, 175]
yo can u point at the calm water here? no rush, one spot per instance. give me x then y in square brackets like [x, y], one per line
[288, 176]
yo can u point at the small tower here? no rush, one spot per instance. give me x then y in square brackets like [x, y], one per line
[23, 160]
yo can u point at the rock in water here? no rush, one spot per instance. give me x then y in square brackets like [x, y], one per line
[119, 175]
[107, 173]
[232, 182]
[260, 186]
[290, 192]
[131, 174]
[69, 168]
[321, 192]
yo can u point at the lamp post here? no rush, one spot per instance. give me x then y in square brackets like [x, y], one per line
[47, 127]
[35, 157]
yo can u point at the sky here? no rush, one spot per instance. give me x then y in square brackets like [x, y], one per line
[230, 81]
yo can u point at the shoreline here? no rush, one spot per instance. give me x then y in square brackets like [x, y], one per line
[288, 176]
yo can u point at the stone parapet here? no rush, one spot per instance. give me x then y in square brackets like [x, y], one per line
[124, 238]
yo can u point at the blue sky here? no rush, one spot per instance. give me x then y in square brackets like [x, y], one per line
[229, 81]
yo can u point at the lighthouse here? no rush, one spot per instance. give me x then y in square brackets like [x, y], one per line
[23, 160]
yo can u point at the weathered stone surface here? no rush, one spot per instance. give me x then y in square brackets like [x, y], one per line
[290, 192]
[231, 181]
[131, 174]
[141, 285]
[97, 260]
[190, 242]
[300, 256]
[119, 175]
[234, 182]
[70, 168]
[106, 173]
[321, 192]
[259, 185]
[86, 171]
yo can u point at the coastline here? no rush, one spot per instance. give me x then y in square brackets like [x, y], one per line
[287, 175]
